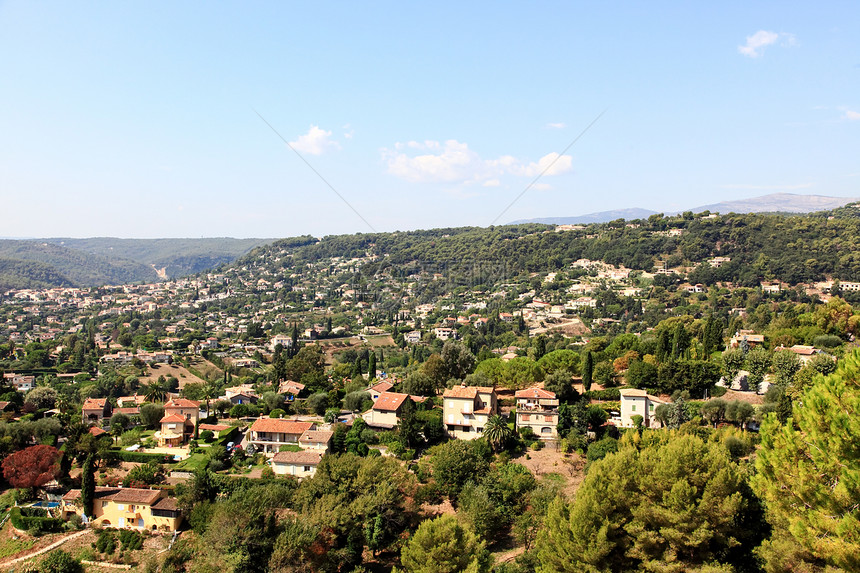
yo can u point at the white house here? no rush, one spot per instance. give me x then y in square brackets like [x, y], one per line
[638, 403]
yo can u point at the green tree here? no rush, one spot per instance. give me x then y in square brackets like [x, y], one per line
[587, 370]
[443, 545]
[151, 415]
[808, 473]
[758, 364]
[733, 361]
[497, 432]
[458, 360]
[371, 366]
[455, 463]
[675, 503]
[88, 485]
[786, 364]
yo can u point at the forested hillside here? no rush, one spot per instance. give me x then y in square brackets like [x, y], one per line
[794, 249]
[16, 274]
[75, 267]
[179, 257]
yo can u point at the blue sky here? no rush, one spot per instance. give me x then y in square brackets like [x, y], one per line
[139, 119]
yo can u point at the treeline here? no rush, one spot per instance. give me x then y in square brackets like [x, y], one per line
[794, 249]
[18, 274]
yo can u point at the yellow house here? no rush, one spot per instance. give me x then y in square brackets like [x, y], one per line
[538, 409]
[130, 508]
[465, 410]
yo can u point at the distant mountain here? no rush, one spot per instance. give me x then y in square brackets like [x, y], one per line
[774, 203]
[62, 266]
[599, 217]
[100, 261]
[778, 203]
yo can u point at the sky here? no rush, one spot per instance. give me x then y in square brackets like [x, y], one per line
[276, 119]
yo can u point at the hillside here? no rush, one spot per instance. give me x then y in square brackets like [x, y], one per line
[791, 248]
[16, 274]
[176, 257]
[61, 265]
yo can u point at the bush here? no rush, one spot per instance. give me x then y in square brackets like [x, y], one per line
[207, 436]
[131, 540]
[608, 394]
[106, 543]
[277, 413]
[139, 457]
[59, 561]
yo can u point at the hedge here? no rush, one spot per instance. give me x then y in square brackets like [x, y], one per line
[33, 523]
[140, 457]
[608, 394]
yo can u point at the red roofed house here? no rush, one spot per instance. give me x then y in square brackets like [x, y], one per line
[538, 409]
[299, 464]
[189, 409]
[386, 410]
[465, 410]
[175, 429]
[96, 409]
[376, 390]
[269, 434]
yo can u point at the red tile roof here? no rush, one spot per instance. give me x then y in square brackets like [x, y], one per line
[95, 403]
[173, 418]
[383, 386]
[97, 431]
[390, 401]
[466, 391]
[535, 393]
[214, 427]
[321, 436]
[182, 403]
[279, 426]
[300, 458]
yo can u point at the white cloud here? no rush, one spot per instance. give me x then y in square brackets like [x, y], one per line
[453, 162]
[560, 125]
[315, 141]
[852, 115]
[763, 38]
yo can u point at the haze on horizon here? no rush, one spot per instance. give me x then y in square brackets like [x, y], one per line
[140, 120]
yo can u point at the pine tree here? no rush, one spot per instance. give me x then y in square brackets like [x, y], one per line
[808, 473]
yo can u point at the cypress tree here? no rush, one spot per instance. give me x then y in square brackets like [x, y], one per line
[371, 366]
[88, 485]
[587, 371]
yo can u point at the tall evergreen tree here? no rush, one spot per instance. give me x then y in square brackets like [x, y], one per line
[88, 485]
[371, 366]
[587, 370]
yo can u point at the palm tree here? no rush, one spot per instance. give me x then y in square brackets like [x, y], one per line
[154, 392]
[497, 432]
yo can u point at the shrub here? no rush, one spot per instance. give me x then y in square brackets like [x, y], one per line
[59, 561]
[207, 436]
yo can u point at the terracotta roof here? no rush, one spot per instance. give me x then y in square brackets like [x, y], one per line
[182, 403]
[302, 458]
[97, 431]
[322, 436]
[127, 411]
[173, 418]
[633, 393]
[280, 426]
[467, 391]
[383, 386]
[215, 427]
[166, 504]
[390, 401]
[137, 399]
[94, 403]
[535, 393]
[134, 495]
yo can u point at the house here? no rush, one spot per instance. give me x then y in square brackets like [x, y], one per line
[189, 409]
[537, 409]
[175, 430]
[298, 464]
[385, 412]
[269, 434]
[282, 339]
[444, 333]
[242, 398]
[378, 389]
[148, 509]
[23, 383]
[413, 336]
[748, 337]
[95, 410]
[316, 440]
[465, 410]
[638, 403]
[291, 387]
[130, 401]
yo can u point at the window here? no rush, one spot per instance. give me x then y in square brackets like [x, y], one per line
[104, 504]
[547, 418]
[651, 407]
[633, 408]
[307, 468]
[121, 507]
[525, 417]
